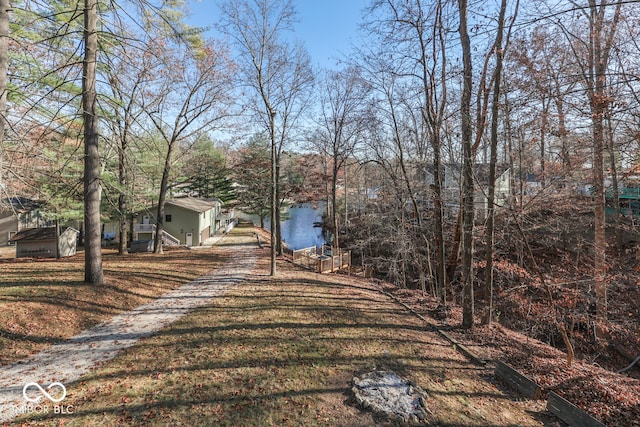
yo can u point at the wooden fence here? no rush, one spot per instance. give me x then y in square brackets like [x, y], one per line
[323, 260]
[306, 257]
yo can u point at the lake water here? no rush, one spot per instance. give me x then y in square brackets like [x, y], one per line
[297, 230]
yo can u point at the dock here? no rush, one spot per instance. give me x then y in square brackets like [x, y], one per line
[325, 259]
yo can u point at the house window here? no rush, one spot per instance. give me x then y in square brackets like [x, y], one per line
[167, 218]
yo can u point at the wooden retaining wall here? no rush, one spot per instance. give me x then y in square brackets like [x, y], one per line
[557, 405]
[517, 381]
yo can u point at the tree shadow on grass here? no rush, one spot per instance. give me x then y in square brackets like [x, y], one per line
[237, 362]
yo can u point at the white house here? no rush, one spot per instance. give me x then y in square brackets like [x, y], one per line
[452, 185]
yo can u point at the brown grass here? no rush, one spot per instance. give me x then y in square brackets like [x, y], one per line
[282, 352]
[45, 300]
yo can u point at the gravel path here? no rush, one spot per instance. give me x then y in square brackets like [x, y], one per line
[67, 361]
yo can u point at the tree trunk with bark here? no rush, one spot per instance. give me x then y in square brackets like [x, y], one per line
[162, 200]
[122, 200]
[600, 41]
[275, 218]
[334, 201]
[467, 172]
[493, 155]
[93, 272]
[279, 201]
[615, 196]
[4, 69]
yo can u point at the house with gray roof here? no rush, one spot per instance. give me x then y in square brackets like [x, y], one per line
[188, 221]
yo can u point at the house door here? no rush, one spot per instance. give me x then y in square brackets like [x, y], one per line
[189, 239]
[146, 219]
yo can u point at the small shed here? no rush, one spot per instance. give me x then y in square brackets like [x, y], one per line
[41, 242]
[19, 213]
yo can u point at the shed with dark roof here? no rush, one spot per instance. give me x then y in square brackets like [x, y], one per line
[20, 213]
[42, 242]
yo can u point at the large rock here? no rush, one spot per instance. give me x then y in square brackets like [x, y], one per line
[385, 392]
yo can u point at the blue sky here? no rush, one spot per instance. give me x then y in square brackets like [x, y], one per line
[327, 28]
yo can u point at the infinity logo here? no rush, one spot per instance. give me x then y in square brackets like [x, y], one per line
[44, 392]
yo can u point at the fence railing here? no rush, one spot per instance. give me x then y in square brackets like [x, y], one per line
[325, 260]
[167, 239]
[624, 193]
[332, 263]
[144, 228]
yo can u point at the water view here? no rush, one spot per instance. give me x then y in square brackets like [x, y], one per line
[298, 230]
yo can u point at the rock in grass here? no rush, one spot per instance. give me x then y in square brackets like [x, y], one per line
[385, 392]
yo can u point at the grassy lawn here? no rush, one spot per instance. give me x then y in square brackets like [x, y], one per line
[45, 301]
[282, 352]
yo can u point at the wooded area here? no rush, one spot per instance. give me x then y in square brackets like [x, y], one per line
[476, 151]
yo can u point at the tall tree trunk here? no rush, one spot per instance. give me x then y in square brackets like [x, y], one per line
[162, 199]
[543, 146]
[122, 199]
[468, 184]
[274, 189]
[93, 272]
[279, 203]
[493, 155]
[601, 41]
[510, 155]
[599, 243]
[58, 255]
[436, 144]
[562, 130]
[124, 225]
[334, 201]
[4, 69]
[615, 196]
[438, 215]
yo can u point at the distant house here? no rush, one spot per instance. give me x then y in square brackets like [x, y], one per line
[452, 185]
[41, 242]
[188, 221]
[19, 213]
[531, 184]
[628, 195]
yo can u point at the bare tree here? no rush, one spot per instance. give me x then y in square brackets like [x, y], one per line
[542, 67]
[192, 97]
[4, 68]
[341, 123]
[278, 75]
[467, 171]
[593, 54]
[420, 70]
[128, 76]
[499, 49]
